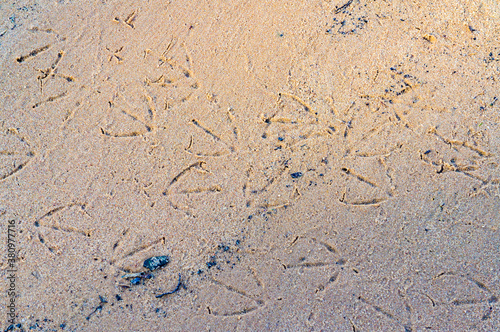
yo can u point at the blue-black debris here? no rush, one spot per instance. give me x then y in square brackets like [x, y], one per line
[135, 281]
[98, 308]
[343, 7]
[139, 278]
[156, 262]
[177, 288]
[212, 262]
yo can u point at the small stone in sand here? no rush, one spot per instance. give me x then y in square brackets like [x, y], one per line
[156, 262]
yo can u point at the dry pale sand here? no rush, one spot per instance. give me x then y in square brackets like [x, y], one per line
[305, 165]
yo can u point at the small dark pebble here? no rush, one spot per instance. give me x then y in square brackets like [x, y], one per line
[118, 297]
[62, 326]
[281, 139]
[296, 175]
[156, 262]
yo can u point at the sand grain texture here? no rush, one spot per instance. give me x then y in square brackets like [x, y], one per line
[306, 165]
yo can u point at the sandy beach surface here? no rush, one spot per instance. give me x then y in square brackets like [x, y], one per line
[324, 165]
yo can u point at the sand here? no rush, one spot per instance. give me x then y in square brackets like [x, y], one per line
[304, 165]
